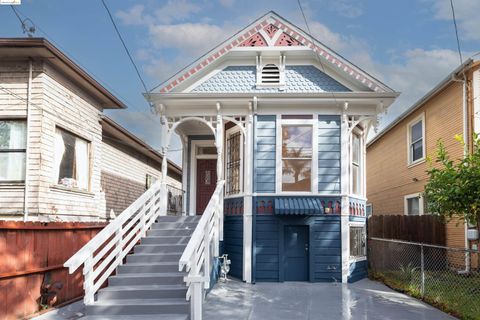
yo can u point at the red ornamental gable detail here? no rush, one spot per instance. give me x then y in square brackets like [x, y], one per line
[287, 41]
[254, 41]
[270, 30]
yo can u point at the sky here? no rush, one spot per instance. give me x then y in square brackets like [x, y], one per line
[410, 45]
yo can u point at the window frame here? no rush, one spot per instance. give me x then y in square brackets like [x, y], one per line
[416, 120]
[364, 230]
[22, 150]
[229, 132]
[300, 120]
[56, 183]
[361, 163]
[418, 195]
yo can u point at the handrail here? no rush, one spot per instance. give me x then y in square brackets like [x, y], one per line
[105, 252]
[197, 257]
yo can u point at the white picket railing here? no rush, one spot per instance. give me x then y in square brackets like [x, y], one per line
[106, 251]
[197, 258]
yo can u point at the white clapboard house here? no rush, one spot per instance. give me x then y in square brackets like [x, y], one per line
[273, 125]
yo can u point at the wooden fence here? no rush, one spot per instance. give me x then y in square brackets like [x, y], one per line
[31, 265]
[425, 229]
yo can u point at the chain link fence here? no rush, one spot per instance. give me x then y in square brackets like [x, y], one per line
[447, 278]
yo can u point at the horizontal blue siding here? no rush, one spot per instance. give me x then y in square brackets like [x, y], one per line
[325, 247]
[264, 154]
[267, 248]
[233, 244]
[329, 154]
[357, 271]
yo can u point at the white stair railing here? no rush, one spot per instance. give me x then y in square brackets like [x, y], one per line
[197, 258]
[106, 251]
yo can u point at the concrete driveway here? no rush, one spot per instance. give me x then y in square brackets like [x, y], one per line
[234, 300]
[363, 300]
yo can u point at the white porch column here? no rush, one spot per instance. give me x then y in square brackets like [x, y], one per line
[247, 199]
[219, 143]
[345, 180]
[164, 144]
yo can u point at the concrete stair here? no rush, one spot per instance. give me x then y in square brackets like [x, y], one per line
[148, 285]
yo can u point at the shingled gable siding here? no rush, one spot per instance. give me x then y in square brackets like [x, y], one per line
[265, 132]
[328, 154]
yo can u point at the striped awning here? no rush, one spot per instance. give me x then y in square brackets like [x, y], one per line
[298, 205]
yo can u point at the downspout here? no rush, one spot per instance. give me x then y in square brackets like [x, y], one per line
[27, 146]
[466, 140]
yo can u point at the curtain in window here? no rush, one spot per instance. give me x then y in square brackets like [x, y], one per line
[81, 163]
[59, 151]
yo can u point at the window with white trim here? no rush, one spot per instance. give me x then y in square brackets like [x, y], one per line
[356, 164]
[72, 167]
[13, 148]
[358, 241]
[297, 157]
[416, 141]
[414, 204]
[233, 163]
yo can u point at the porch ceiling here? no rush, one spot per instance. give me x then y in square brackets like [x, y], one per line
[193, 127]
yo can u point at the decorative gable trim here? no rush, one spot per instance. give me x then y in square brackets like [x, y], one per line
[262, 34]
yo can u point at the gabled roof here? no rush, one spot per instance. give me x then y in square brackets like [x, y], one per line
[273, 30]
[450, 78]
[40, 48]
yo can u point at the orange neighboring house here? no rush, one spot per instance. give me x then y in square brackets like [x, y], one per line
[396, 157]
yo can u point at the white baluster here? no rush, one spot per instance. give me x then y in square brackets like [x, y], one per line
[88, 281]
[119, 244]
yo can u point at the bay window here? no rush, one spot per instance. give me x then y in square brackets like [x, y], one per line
[13, 146]
[71, 160]
[297, 157]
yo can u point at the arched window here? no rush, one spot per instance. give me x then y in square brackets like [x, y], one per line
[270, 74]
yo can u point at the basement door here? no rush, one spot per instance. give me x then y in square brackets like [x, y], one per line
[296, 253]
[206, 182]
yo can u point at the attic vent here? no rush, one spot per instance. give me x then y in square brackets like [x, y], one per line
[270, 74]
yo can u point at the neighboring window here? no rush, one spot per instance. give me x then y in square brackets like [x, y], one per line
[356, 165]
[369, 209]
[233, 163]
[358, 242]
[296, 157]
[270, 74]
[416, 150]
[414, 205]
[13, 139]
[71, 160]
[150, 180]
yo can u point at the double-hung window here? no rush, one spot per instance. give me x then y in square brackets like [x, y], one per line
[233, 163]
[414, 204]
[13, 146]
[356, 164]
[72, 164]
[297, 157]
[416, 141]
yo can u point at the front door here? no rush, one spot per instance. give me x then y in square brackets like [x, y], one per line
[296, 253]
[206, 182]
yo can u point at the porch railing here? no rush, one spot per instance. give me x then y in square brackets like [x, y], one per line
[197, 258]
[106, 251]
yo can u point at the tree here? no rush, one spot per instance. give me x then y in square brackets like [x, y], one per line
[453, 187]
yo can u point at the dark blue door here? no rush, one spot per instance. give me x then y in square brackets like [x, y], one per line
[296, 253]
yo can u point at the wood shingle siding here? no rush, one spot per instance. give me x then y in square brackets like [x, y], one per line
[264, 156]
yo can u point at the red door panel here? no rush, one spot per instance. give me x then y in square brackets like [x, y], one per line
[206, 182]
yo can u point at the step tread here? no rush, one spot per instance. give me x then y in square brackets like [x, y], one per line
[138, 317]
[125, 302]
[156, 254]
[144, 287]
[145, 275]
[161, 244]
[142, 264]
